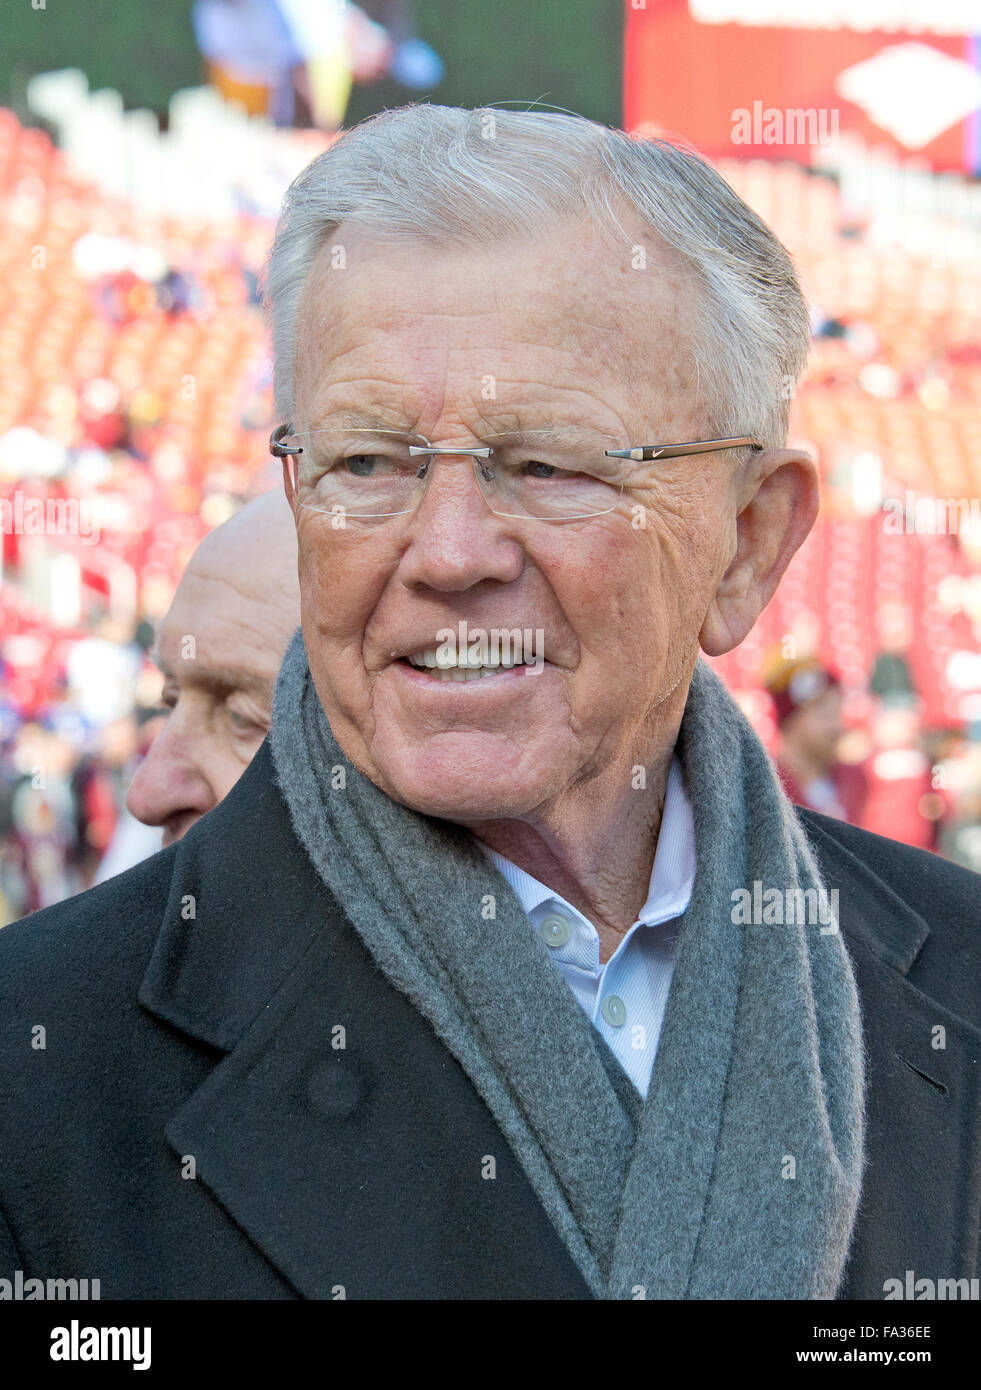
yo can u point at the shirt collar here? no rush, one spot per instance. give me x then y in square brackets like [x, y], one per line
[672, 874]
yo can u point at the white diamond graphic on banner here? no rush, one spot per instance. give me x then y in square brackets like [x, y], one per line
[913, 91]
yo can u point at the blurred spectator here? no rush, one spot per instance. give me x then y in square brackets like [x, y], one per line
[102, 671]
[960, 836]
[901, 801]
[36, 868]
[957, 773]
[250, 54]
[340, 45]
[807, 699]
[133, 841]
[219, 648]
[891, 676]
[96, 808]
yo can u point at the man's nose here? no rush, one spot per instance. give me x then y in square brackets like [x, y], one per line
[170, 783]
[455, 540]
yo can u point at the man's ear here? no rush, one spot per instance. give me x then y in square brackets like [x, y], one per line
[777, 504]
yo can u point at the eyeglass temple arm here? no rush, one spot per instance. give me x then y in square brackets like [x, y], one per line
[647, 453]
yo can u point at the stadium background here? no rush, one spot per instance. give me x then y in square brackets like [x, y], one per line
[137, 206]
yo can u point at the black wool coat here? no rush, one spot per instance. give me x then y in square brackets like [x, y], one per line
[177, 1120]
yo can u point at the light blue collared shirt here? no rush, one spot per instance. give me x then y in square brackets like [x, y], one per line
[626, 997]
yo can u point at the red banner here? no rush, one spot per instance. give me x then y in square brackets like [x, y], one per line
[782, 78]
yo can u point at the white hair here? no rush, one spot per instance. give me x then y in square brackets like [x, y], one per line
[448, 175]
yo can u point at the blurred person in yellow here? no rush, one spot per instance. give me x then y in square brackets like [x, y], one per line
[220, 647]
[340, 46]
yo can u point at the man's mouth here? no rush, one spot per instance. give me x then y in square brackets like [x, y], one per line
[440, 667]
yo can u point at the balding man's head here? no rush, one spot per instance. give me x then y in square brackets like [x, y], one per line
[220, 647]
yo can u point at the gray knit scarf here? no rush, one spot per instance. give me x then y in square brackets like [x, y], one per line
[739, 1175]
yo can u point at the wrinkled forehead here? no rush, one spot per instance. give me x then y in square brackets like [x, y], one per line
[226, 625]
[582, 318]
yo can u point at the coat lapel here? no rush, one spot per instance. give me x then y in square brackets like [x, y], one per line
[922, 1179]
[336, 1130]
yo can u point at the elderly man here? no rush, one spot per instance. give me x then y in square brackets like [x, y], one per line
[508, 970]
[219, 648]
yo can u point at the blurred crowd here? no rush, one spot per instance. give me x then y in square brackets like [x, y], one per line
[138, 736]
[66, 768]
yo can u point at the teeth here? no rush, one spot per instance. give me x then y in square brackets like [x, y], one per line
[431, 661]
[442, 666]
[459, 673]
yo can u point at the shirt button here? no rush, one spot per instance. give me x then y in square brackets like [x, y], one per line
[554, 931]
[614, 1010]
